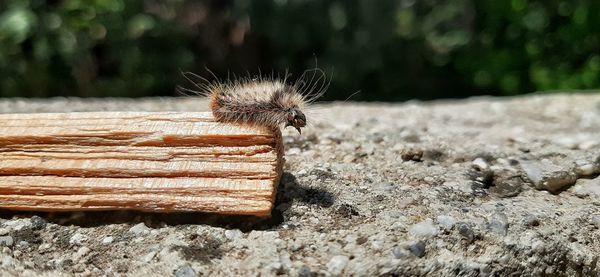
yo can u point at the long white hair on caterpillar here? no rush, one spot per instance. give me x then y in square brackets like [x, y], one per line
[270, 101]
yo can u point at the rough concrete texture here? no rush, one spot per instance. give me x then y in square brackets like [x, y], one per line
[451, 188]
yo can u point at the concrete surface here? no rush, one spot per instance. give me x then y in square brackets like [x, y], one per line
[474, 187]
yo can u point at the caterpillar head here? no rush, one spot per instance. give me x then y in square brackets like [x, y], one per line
[296, 119]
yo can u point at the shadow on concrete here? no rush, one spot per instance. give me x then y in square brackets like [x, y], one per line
[290, 190]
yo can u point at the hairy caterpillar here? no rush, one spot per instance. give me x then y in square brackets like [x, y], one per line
[269, 102]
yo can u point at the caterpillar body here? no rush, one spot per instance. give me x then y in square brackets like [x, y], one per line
[267, 102]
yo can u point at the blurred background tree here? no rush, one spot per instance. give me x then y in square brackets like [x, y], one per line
[390, 50]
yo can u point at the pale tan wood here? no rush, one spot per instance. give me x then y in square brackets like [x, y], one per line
[142, 161]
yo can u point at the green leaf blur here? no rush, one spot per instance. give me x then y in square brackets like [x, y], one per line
[389, 50]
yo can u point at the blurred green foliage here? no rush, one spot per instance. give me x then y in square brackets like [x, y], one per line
[389, 50]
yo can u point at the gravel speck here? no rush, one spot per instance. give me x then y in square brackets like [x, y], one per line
[400, 253]
[466, 232]
[484, 176]
[411, 154]
[23, 244]
[498, 224]
[417, 249]
[558, 180]
[447, 222]
[140, 229]
[596, 220]
[38, 223]
[77, 239]
[531, 220]
[107, 240]
[336, 265]
[6, 241]
[185, 271]
[80, 254]
[480, 164]
[533, 171]
[44, 246]
[587, 188]
[385, 187]
[347, 210]
[233, 234]
[507, 184]
[293, 151]
[585, 168]
[423, 229]
[304, 271]
[548, 177]
[148, 257]
[17, 224]
[8, 261]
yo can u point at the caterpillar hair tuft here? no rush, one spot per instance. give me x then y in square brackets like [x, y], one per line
[262, 101]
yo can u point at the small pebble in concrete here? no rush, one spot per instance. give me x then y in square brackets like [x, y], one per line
[233, 234]
[423, 229]
[585, 168]
[479, 189]
[38, 223]
[336, 265]
[417, 249]
[107, 240]
[412, 155]
[185, 271]
[466, 232]
[484, 177]
[23, 244]
[80, 254]
[385, 187]
[6, 241]
[480, 164]
[139, 229]
[498, 224]
[507, 184]
[548, 176]
[587, 188]
[347, 210]
[400, 253]
[148, 257]
[447, 222]
[531, 220]
[77, 239]
[7, 261]
[305, 271]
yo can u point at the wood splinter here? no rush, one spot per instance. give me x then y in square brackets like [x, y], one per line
[163, 162]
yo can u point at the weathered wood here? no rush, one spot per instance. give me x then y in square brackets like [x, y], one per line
[142, 161]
